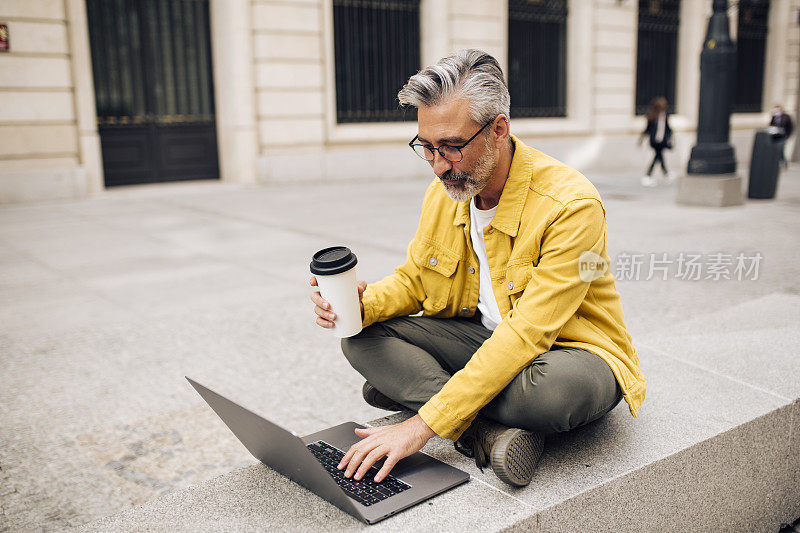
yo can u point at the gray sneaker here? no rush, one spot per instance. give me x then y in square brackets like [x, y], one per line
[513, 453]
[376, 398]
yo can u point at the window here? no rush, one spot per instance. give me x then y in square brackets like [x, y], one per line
[657, 52]
[537, 58]
[376, 47]
[750, 49]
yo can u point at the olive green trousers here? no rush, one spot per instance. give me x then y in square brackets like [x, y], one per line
[409, 359]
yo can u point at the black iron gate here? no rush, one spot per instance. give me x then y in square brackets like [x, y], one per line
[376, 45]
[537, 58]
[657, 52]
[751, 48]
[153, 88]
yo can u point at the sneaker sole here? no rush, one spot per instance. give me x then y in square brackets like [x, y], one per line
[515, 455]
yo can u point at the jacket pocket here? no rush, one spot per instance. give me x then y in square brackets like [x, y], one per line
[437, 267]
[517, 278]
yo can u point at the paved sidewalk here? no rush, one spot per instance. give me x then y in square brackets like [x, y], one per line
[109, 302]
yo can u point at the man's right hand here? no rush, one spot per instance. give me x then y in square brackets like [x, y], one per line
[322, 307]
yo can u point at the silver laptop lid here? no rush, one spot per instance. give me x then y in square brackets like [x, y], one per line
[277, 448]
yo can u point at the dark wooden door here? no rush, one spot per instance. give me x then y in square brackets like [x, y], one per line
[153, 88]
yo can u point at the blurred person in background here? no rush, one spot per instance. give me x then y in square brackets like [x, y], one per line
[660, 135]
[781, 120]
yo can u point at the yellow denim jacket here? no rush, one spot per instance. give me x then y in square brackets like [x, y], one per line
[548, 215]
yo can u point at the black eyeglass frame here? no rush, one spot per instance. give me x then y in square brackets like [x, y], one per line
[439, 149]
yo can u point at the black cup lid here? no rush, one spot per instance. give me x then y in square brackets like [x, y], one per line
[333, 260]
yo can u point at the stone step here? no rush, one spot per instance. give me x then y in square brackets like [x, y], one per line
[716, 446]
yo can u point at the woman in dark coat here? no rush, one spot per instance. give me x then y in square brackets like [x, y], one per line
[660, 135]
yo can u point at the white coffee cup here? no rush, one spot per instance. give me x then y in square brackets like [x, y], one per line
[335, 270]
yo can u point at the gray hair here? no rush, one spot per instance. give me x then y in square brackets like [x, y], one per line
[469, 73]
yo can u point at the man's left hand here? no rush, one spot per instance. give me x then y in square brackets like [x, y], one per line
[393, 442]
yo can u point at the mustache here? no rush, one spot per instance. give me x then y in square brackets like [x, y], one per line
[455, 176]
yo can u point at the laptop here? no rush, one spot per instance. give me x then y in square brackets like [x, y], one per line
[311, 461]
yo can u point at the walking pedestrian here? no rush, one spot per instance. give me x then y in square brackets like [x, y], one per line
[660, 135]
[782, 120]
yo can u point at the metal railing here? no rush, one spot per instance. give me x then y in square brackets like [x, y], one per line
[376, 46]
[537, 58]
[151, 61]
[657, 52]
[751, 47]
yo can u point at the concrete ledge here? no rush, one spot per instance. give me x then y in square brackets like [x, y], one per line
[731, 482]
[256, 498]
[714, 448]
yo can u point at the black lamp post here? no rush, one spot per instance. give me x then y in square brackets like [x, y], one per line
[713, 154]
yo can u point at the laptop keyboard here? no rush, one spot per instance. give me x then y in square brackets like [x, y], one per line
[365, 491]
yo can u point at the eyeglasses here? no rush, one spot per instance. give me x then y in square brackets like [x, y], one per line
[448, 151]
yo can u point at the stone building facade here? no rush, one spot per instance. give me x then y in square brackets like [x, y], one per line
[274, 82]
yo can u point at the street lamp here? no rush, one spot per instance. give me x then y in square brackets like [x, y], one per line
[711, 174]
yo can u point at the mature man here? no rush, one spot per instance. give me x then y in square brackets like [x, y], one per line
[522, 331]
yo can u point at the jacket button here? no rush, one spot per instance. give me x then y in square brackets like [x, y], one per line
[510, 285]
[432, 261]
[471, 269]
[465, 310]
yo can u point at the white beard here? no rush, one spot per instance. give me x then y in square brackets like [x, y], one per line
[475, 180]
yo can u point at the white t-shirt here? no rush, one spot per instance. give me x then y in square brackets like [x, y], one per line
[487, 305]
